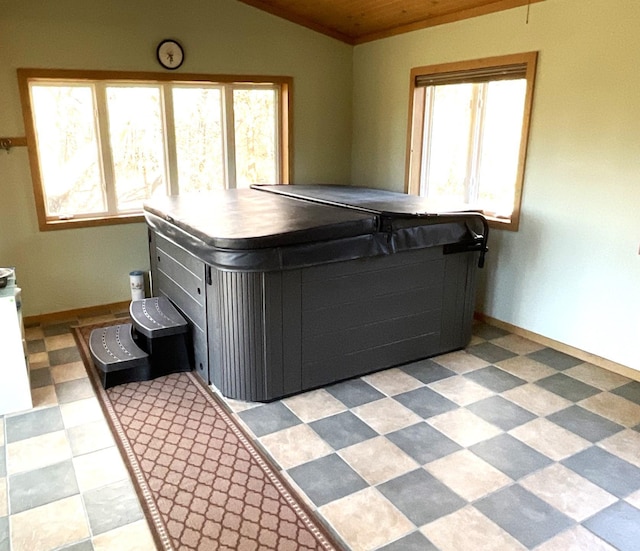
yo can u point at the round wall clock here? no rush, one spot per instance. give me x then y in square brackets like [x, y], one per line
[170, 54]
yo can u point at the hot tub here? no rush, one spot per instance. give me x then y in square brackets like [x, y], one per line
[288, 288]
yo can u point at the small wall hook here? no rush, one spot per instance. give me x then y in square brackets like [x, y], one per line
[5, 143]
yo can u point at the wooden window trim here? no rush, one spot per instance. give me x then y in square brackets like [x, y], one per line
[27, 75]
[414, 132]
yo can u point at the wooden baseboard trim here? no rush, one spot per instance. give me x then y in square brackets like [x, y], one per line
[561, 347]
[78, 313]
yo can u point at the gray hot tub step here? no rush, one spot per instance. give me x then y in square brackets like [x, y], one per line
[162, 332]
[156, 317]
[118, 359]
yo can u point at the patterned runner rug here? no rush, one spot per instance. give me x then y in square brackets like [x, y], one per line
[202, 483]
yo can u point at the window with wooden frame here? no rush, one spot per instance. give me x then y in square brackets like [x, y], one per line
[468, 132]
[101, 143]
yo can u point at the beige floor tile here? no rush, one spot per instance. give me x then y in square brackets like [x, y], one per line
[467, 529]
[38, 360]
[634, 499]
[461, 390]
[237, 405]
[1, 431]
[568, 492]
[536, 399]
[33, 333]
[36, 452]
[461, 362]
[476, 340]
[468, 475]
[314, 405]
[377, 460]
[57, 342]
[97, 469]
[526, 368]
[624, 444]
[68, 372]
[80, 412]
[575, 539]
[613, 407]
[3, 497]
[386, 415]
[90, 437]
[132, 537]
[296, 445]
[50, 526]
[44, 396]
[464, 427]
[596, 376]
[518, 345]
[366, 520]
[393, 381]
[550, 439]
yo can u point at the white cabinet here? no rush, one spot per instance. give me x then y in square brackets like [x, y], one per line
[15, 389]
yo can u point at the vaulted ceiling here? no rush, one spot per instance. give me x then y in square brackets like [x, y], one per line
[358, 21]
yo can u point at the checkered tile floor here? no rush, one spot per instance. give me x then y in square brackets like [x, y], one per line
[63, 484]
[506, 445]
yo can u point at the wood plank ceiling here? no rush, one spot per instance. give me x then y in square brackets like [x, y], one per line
[358, 21]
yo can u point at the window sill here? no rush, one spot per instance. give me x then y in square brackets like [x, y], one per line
[56, 224]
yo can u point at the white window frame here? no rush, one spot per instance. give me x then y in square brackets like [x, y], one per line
[417, 137]
[99, 80]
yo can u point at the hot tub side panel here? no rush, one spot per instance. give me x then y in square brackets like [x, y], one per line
[181, 277]
[272, 334]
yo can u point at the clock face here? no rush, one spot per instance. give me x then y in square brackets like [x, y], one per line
[170, 54]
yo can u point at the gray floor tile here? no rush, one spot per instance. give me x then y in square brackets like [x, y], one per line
[512, 457]
[618, 525]
[427, 371]
[584, 423]
[3, 461]
[526, 517]
[5, 541]
[553, 358]
[495, 379]
[630, 391]
[112, 506]
[34, 488]
[567, 387]
[423, 443]
[501, 412]
[33, 423]
[354, 392]
[425, 402]
[606, 470]
[36, 346]
[490, 352]
[342, 430]
[488, 332]
[269, 418]
[413, 542]
[327, 479]
[71, 391]
[421, 497]
[40, 377]
[64, 356]
[54, 329]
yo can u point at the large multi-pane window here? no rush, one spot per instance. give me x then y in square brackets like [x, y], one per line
[102, 144]
[469, 124]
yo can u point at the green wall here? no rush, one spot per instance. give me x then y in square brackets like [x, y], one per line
[572, 272]
[76, 268]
